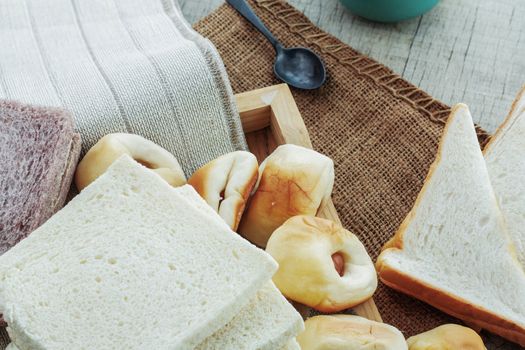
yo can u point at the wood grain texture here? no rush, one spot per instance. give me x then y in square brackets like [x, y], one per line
[462, 51]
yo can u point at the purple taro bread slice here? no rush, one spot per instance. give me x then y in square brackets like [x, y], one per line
[39, 150]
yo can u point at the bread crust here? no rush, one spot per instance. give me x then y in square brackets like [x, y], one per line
[203, 178]
[447, 336]
[349, 332]
[440, 299]
[246, 192]
[450, 303]
[513, 114]
[293, 181]
[69, 171]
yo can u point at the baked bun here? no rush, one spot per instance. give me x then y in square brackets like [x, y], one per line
[447, 337]
[349, 332]
[226, 183]
[112, 146]
[293, 181]
[321, 264]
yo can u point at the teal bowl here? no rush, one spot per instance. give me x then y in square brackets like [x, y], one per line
[389, 10]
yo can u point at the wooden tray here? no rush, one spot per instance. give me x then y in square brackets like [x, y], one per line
[270, 118]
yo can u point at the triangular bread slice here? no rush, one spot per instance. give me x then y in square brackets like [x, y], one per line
[452, 250]
[130, 263]
[505, 157]
[268, 322]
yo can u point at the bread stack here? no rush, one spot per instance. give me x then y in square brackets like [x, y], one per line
[134, 263]
[461, 248]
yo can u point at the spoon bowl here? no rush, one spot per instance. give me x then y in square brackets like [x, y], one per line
[299, 67]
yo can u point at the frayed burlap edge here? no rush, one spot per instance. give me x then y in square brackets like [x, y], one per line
[382, 76]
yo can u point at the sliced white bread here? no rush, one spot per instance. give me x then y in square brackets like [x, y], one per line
[130, 263]
[505, 157]
[291, 345]
[452, 250]
[268, 322]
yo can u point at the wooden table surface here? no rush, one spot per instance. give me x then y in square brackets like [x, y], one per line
[467, 51]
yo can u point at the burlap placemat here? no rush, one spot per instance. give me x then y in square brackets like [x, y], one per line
[381, 131]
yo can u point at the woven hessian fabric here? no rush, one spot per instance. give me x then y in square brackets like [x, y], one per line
[381, 131]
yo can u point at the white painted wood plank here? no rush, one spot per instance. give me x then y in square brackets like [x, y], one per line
[473, 54]
[462, 51]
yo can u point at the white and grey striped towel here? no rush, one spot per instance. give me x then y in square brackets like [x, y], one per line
[121, 66]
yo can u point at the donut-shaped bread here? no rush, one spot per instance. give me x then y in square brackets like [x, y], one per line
[226, 183]
[293, 180]
[112, 146]
[445, 337]
[349, 332]
[321, 264]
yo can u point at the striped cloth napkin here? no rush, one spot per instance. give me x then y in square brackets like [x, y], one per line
[121, 66]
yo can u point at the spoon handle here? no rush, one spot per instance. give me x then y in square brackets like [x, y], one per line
[246, 11]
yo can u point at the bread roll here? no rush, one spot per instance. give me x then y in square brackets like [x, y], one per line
[226, 183]
[321, 264]
[293, 181]
[447, 337]
[112, 146]
[349, 332]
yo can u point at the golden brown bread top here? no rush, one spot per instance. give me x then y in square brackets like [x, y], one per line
[293, 180]
[447, 337]
[349, 332]
[112, 146]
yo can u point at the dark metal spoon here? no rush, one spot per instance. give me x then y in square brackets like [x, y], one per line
[297, 66]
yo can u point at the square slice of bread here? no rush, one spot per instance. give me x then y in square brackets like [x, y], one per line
[268, 322]
[130, 263]
[452, 250]
[505, 158]
[39, 150]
